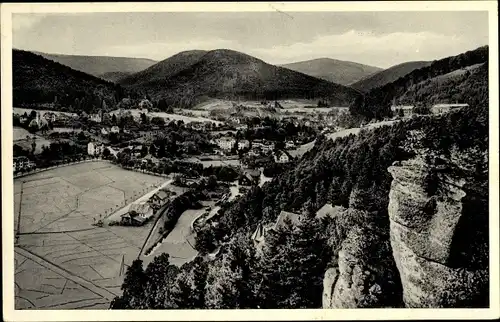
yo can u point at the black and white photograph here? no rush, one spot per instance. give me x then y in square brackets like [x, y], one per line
[250, 159]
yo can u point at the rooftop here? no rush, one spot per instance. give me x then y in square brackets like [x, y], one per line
[293, 217]
[452, 105]
[329, 210]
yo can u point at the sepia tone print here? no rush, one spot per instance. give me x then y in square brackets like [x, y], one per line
[251, 160]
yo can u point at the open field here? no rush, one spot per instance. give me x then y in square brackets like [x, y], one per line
[20, 111]
[179, 243]
[27, 144]
[20, 135]
[215, 163]
[57, 209]
[301, 150]
[168, 116]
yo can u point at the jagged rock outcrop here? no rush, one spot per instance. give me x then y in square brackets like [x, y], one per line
[329, 281]
[423, 230]
[366, 275]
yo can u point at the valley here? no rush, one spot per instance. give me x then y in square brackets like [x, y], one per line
[212, 179]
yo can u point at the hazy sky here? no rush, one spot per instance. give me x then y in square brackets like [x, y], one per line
[376, 38]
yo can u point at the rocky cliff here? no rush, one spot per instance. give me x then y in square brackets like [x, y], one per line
[434, 253]
[366, 275]
[424, 231]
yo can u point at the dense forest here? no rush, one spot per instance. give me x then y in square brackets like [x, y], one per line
[38, 81]
[228, 74]
[377, 102]
[350, 172]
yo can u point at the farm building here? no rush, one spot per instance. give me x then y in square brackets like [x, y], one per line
[159, 198]
[445, 108]
[137, 214]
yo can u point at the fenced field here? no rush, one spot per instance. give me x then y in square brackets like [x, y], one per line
[62, 259]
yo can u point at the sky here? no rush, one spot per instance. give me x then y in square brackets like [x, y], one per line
[381, 39]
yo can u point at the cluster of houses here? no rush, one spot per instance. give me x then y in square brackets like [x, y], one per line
[139, 213]
[227, 144]
[23, 164]
[107, 131]
[41, 119]
[408, 110]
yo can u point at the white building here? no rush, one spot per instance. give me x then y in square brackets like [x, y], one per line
[289, 145]
[407, 109]
[50, 116]
[39, 121]
[266, 147]
[226, 143]
[145, 105]
[115, 129]
[94, 148]
[243, 144]
[444, 108]
[104, 131]
[23, 163]
[96, 117]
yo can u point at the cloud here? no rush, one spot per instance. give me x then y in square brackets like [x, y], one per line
[162, 50]
[24, 21]
[379, 50]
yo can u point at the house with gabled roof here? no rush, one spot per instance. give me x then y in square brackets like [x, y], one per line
[281, 156]
[259, 235]
[138, 214]
[159, 198]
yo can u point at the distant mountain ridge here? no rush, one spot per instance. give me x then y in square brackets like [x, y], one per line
[333, 70]
[101, 66]
[189, 77]
[388, 75]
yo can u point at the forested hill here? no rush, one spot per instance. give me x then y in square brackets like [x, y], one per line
[101, 65]
[351, 172]
[462, 78]
[334, 70]
[388, 75]
[37, 80]
[230, 74]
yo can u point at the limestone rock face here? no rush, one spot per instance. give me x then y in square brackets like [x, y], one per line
[423, 232]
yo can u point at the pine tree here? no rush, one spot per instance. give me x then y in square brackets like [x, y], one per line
[133, 286]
